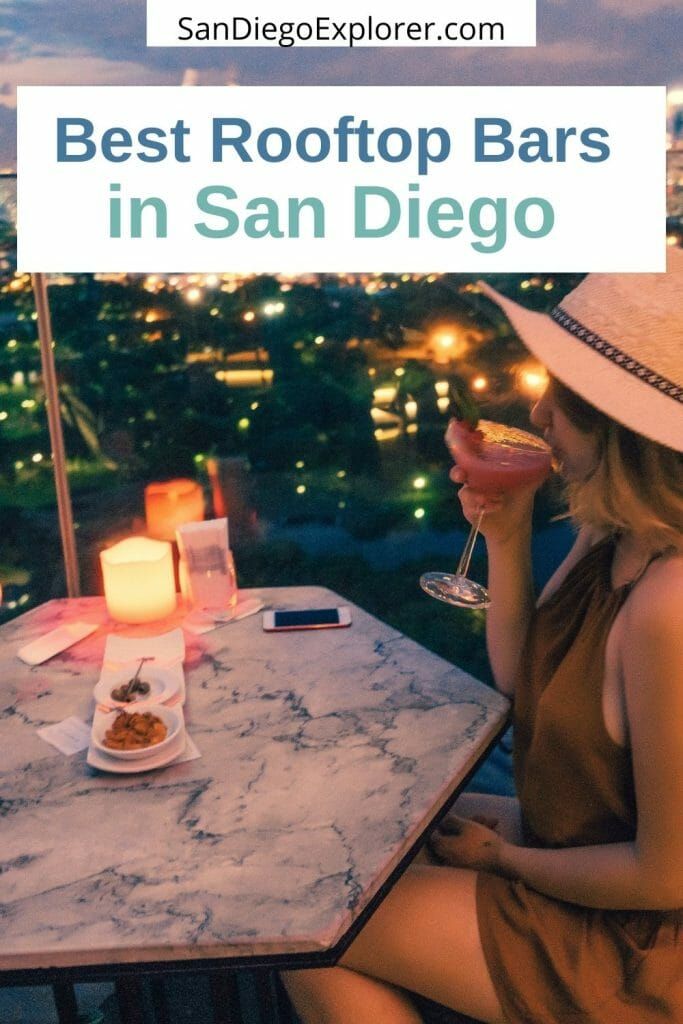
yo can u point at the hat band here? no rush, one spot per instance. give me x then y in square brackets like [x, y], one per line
[615, 355]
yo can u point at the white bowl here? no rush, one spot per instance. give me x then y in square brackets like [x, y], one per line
[162, 685]
[171, 717]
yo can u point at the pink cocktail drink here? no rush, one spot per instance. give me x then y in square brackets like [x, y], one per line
[495, 457]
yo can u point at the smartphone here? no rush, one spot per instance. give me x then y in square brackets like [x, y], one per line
[310, 618]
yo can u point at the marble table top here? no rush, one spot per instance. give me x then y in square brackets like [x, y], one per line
[325, 756]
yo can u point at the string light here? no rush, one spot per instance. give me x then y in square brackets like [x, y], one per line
[448, 345]
[387, 433]
[532, 379]
[385, 395]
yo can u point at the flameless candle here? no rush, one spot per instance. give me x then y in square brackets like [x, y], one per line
[139, 585]
[171, 504]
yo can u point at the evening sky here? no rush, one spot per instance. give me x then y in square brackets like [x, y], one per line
[72, 42]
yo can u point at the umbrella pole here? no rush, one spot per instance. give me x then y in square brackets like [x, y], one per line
[66, 524]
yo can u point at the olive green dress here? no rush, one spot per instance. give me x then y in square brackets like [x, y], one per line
[554, 962]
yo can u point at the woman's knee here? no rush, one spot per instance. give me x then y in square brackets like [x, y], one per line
[311, 993]
[337, 995]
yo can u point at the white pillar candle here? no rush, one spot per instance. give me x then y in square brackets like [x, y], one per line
[139, 584]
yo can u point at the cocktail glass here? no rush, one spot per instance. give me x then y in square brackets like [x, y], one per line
[494, 458]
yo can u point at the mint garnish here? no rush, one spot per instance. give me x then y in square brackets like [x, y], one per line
[463, 406]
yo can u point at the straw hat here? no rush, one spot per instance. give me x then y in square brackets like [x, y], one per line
[617, 341]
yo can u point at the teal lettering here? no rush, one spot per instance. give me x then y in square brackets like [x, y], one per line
[364, 192]
[205, 205]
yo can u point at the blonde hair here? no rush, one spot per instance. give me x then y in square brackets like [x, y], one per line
[637, 484]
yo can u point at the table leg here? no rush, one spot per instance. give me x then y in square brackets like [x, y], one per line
[162, 1014]
[286, 1014]
[225, 1000]
[130, 999]
[265, 996]
[65, 1003]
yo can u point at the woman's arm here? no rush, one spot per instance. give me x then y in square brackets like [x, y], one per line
[613, 877]
[651, 656]
[506, 526]
[648, 873]
[512, 603]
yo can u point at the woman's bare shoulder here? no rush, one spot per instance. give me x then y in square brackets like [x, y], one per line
[656, 602]
[586, 538]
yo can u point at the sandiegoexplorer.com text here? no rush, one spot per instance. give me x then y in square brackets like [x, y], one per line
[325, 30]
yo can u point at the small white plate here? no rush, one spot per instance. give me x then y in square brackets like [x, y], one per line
[102, 721]
[163, 683]
[105, 763]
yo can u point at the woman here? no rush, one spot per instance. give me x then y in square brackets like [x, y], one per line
[566, 906]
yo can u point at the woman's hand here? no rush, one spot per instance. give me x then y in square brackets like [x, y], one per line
[506, 514]
[465, 843]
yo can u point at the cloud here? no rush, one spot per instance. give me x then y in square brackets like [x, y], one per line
[605, 42]
[637, 8]
[54, 70]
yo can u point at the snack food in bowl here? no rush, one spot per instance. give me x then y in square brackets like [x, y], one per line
[136, 734]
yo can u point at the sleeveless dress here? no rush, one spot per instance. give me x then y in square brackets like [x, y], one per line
[553, 962]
